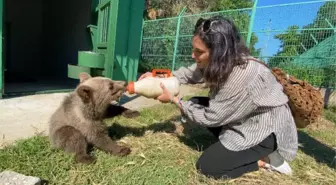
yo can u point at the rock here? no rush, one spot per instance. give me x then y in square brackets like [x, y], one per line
[13, 178]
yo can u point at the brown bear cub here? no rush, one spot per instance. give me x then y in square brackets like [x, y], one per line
[78, 122]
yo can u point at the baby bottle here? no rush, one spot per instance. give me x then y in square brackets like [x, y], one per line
[150, 87]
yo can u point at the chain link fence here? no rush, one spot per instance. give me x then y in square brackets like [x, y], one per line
[300, 38]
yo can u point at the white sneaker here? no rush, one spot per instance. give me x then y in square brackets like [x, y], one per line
[284, 168]
[183, 119]
[277, 163]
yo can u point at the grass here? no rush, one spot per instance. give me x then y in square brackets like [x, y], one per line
[162, 155]
[330, 113]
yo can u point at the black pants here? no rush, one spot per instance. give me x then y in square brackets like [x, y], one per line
[219, 162]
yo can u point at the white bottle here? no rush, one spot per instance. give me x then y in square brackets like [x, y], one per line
[150, 87]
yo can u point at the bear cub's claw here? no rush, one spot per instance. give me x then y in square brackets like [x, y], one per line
[85, 159]
[124, 151]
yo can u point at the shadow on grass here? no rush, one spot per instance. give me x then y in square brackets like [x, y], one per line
[118, 110]
[321, 152]
[118, 131]
[196, 138]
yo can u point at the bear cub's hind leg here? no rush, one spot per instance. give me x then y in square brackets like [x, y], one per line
[72, 141]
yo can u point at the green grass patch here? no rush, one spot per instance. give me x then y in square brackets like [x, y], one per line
[160, 156]
[332, 108]
[330, 113]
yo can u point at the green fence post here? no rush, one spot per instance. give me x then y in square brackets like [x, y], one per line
[177, 36]
[303, 46]
[329, 23]
[249, 35]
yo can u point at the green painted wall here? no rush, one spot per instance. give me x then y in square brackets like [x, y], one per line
[45, 36]
[128, 39]
[119, 31]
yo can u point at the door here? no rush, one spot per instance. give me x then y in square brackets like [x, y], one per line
[104, 21]
[119, 37]
[2, 84]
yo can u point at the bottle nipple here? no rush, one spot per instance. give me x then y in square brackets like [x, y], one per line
[130, 88]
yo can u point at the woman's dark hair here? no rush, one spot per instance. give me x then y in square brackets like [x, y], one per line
[226, 48]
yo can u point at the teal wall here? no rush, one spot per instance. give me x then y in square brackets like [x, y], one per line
[118, 38]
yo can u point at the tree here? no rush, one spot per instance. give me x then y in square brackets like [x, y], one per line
[158, 52]
[218, 5]
[290, 40]
[326, 12]
[295, 43]
[171, 8]
[240, 17]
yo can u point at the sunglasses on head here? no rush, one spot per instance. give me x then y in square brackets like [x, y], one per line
[206, 24]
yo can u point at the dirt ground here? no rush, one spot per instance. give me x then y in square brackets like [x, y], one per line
[25, 116]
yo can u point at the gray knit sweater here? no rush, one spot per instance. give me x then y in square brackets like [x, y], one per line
[250, 106]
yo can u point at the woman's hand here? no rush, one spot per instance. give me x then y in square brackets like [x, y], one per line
[145, 75]
[166, 96]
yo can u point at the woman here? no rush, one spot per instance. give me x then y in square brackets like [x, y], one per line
[246, 108]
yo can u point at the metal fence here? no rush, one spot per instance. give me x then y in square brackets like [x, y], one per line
[299, 37]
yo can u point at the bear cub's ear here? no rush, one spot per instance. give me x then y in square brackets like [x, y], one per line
[85, 93]
[83, 77]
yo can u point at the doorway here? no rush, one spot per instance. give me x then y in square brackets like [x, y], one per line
[41, 37]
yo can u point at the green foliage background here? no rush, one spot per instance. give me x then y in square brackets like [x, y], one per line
[309, 53]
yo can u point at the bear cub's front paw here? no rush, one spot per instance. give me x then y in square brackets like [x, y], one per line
[85, 159]
[124, 151]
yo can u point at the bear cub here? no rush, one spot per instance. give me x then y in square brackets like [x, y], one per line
[78, 122]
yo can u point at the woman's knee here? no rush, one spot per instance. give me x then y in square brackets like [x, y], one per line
[203, 169]
[207, 169]
[220, 163]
